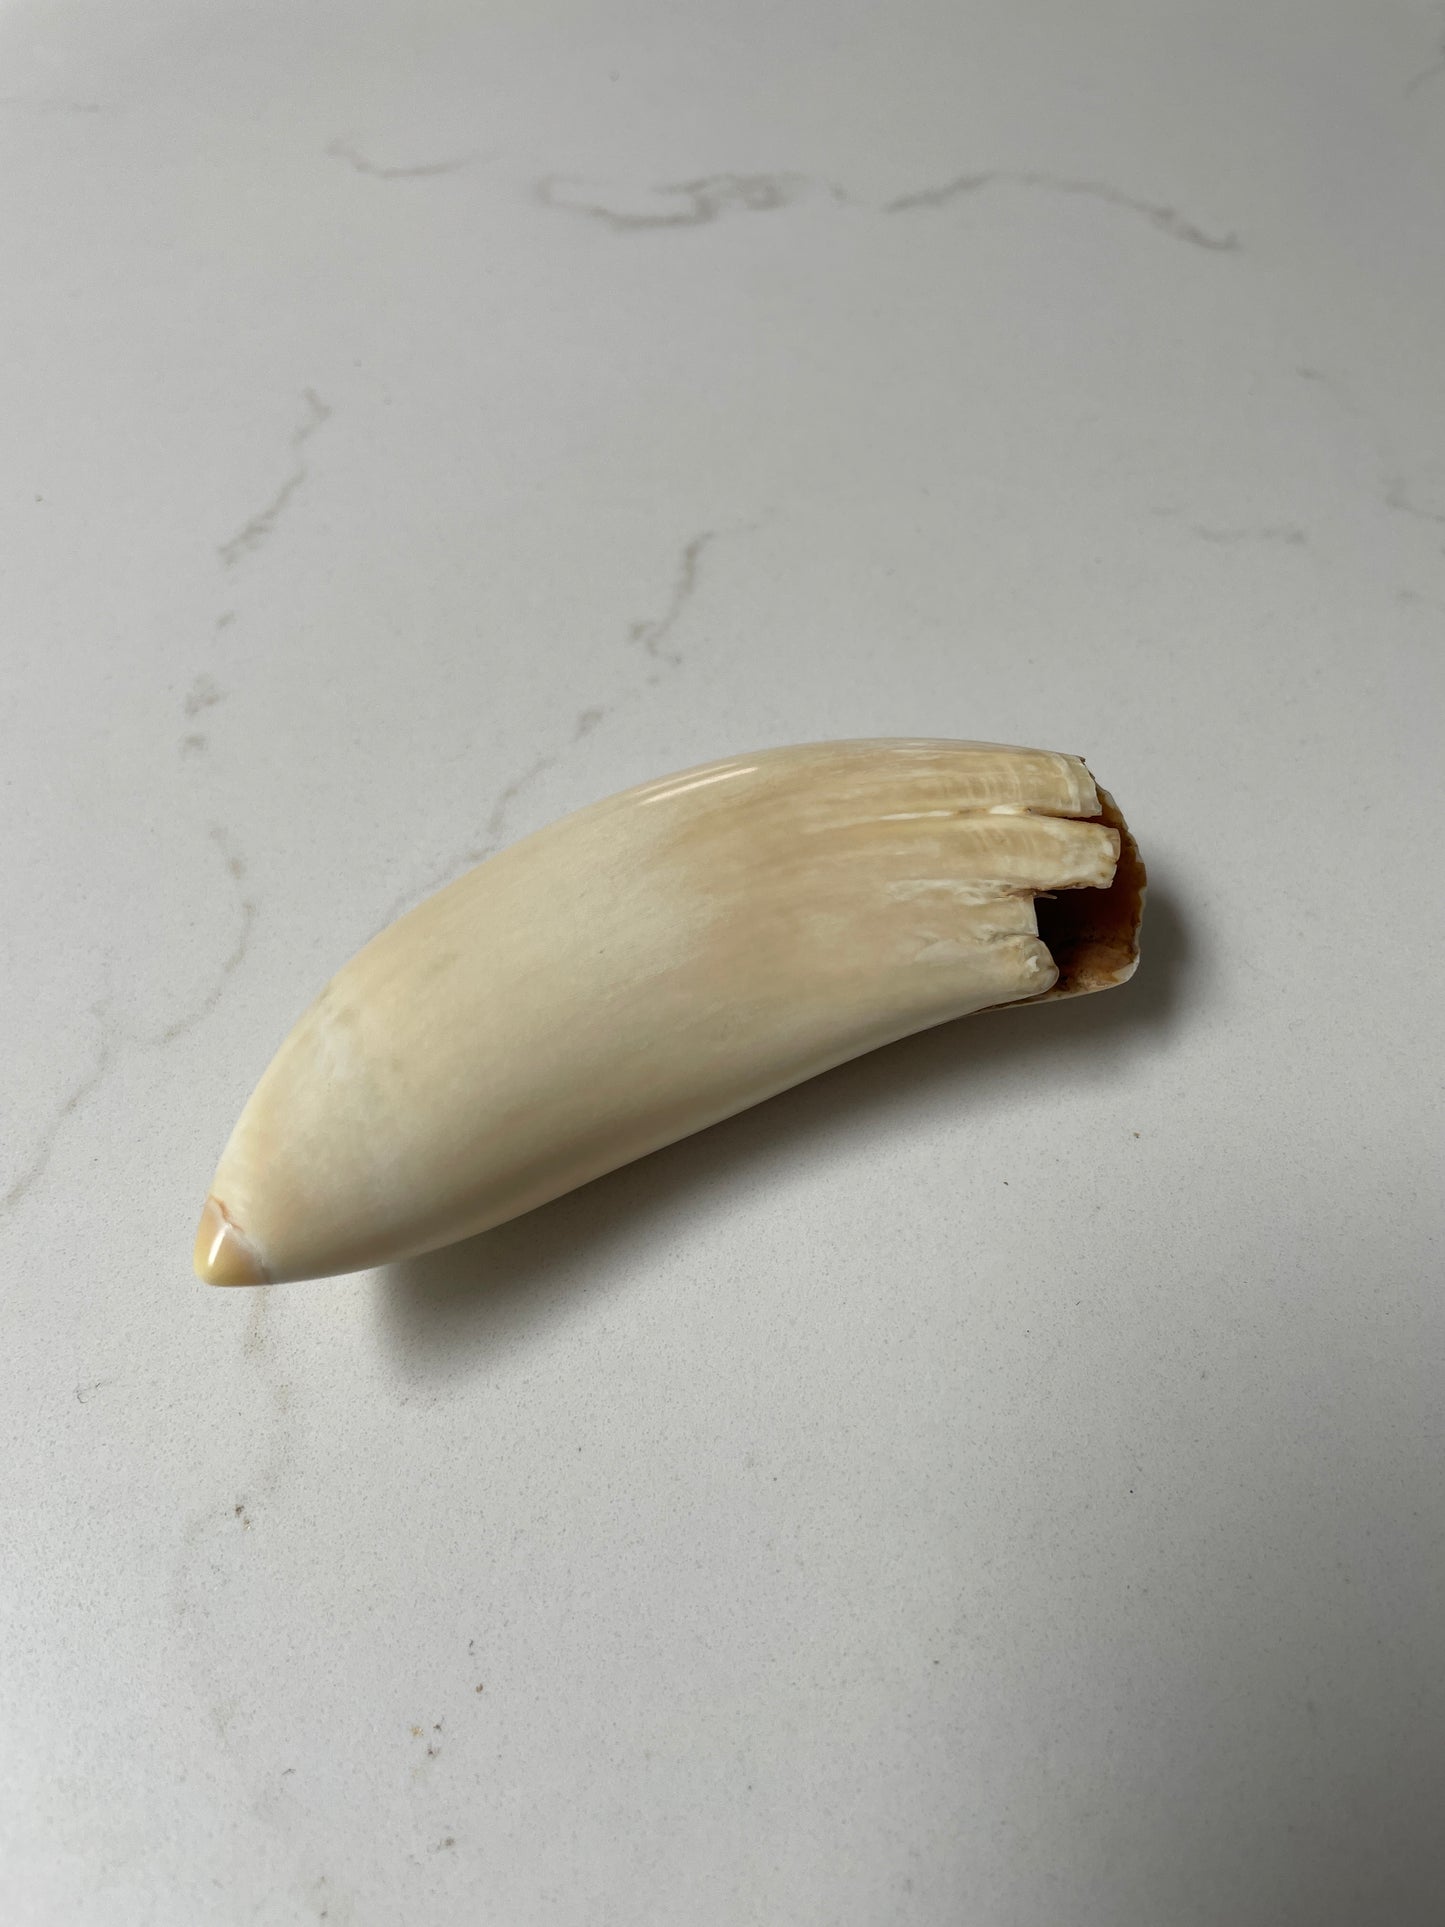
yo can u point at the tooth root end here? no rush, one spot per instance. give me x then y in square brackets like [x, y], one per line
[223, 1254]
[1093, 935]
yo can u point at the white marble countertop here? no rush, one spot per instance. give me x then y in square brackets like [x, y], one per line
[999, 1483]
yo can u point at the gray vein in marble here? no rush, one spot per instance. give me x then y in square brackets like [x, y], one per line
[1399, 494]
[113, 1036]
[1397, 490]
[496, 824]
[203, 694]
[52, 106]
[254, 532]
[44, 1151]
[583, 724]
[232, 961]
[695, 203]
[494, 830]
[1167, 219]
[1282, 532]
[187, 1021]
[344, 150]
[653, 635]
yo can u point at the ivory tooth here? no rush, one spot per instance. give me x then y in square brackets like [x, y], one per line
[652, 964]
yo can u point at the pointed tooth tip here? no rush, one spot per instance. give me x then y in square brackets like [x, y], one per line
[223, 1254]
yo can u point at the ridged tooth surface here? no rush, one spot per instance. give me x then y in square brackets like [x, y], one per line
[642, 969]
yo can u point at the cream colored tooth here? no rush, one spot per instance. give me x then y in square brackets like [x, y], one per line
[652, 964]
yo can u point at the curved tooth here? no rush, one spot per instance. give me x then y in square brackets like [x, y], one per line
[650, 965]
